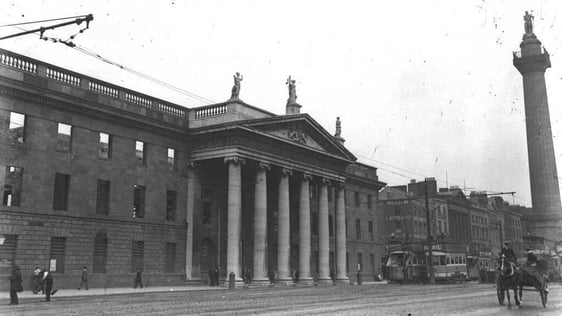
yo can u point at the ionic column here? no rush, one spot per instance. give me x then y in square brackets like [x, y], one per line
[304, 231]
[192, 181]
[283, 240]
[323, 236]
[341, 249]
[260, 225]
[234, 217]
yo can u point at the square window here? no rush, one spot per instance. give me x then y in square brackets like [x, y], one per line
[140, 152]
[171, 159]
[139, 201]
[12, 186]
[17, 127]
[64, 137]
[104, 151]
[60, 199]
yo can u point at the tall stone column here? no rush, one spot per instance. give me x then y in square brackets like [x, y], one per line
[234, 217]
[283, 240]
[192, 182]
[341, 248]
[260, 225]
[304, 231]
[532, 62]
[324, 236]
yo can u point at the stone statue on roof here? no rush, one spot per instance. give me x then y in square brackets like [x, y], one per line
[292, 91]
[528, 22]
[236, 87]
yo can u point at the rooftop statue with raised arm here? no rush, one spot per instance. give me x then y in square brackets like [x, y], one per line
[292, 91]
[236, 87]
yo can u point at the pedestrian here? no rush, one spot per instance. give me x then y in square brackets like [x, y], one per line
[531, 258]
[138, 279]
[84, 278]
[37, 281]
[48, 280]
[15, 285]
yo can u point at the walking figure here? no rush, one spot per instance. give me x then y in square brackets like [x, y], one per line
[38, 281]
[15, 285]
[84, 278]
[138, 279]
[48, 280]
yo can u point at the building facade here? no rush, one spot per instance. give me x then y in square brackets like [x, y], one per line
[101, 176]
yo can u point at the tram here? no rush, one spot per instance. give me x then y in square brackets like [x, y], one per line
[409, 263]
[406, 266]
[449, 266]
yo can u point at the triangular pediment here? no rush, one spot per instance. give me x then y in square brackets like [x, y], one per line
[302, 130]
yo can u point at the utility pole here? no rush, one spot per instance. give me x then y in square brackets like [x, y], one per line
[429, 238]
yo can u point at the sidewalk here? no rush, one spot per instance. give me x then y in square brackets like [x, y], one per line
[110, 291]
[128, 290]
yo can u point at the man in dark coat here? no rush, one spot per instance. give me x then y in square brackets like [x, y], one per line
[138, 279]
[15, 285]
[38, 281]
[84, 278]
[48, 280]
[508, 253]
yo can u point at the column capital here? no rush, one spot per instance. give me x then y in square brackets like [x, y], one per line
[326, 181]
[264, 166]
[307, 177]
[286, 172]
[340, 184]
[192, 164]
[235, 160]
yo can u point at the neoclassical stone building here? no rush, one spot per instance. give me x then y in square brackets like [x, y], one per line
[101, 176]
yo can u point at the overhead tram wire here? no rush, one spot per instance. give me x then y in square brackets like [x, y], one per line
[90, 53]
[41, 21]
[420, 175]
[201, 99]
[406, 170]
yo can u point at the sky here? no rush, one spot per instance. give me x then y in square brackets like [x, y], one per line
[422, 88]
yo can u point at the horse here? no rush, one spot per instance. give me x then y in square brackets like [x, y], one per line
[509, 278]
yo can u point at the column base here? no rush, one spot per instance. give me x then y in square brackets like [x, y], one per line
[259, 283]
[326, 281]
[284, 282]
[305, 281]
[238, 283]
[342, 281]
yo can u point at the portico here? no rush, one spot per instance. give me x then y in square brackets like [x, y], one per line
[276, 175]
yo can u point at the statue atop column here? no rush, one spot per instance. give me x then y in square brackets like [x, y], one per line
[528, 23]
[236, 87]
[292, 91]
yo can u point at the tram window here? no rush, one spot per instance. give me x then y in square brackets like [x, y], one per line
[456, 260]
[442, 260]
[448, 260]
[463, 260]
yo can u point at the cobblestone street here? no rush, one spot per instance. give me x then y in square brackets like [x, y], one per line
[368, 299]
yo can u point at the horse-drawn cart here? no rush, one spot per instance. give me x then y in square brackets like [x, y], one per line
[517, 279]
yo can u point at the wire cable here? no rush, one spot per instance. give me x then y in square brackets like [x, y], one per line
[49, 20]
